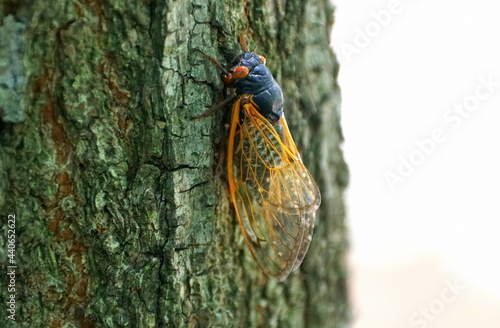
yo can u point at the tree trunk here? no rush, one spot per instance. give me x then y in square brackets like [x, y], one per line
[122, 214]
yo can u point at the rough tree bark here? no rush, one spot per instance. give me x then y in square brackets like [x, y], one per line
[122, 217]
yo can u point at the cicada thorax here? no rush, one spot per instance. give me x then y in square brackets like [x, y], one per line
[250, 77]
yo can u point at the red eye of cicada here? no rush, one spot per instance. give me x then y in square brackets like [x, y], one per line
[262, 59]
[241, 71]
[228, 79]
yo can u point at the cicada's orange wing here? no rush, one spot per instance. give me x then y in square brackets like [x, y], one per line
[274, 195]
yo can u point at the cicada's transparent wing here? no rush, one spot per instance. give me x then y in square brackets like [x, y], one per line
[273, 192]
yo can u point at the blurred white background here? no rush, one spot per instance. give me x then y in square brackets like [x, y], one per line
[420, 85]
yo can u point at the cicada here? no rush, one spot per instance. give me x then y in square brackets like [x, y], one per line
[274, 195]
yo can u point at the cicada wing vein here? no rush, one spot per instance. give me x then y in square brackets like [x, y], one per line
[274, 195]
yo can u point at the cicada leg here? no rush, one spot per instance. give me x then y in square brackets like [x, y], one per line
[215, 62]
[216, 107]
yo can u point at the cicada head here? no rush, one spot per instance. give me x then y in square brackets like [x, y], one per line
[249, 74]
[246, 66]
